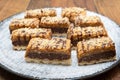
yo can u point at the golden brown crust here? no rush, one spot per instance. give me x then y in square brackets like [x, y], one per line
[47, 61]
[23, 35]
[76, 34]
[87, 21]
[95, 50]
[54, 45]
[73, 12]
[54, 22]
[86, 32]
[95, 45]
[49, 51]
[23, 23]
[19, 47]
[38, 13]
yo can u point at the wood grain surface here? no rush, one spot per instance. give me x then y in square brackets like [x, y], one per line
[109, 8]
[11, 7]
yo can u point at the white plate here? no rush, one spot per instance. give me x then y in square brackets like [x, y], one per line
[14, 61]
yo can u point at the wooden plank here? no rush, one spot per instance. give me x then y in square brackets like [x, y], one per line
[90, 5]
[2, 3]
[62, 3]
[34, 4]
[12, 7]
[110, 8]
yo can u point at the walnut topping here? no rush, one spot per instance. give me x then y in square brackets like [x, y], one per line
[88, 20]
[54, 22]
[54, 43]
[96, 44]
[23, 35]
[72, 12]
[86, 32]
[38, 13]
[23, 23]
[32, 31]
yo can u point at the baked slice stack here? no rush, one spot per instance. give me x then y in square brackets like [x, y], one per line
[58, 25]
[23, 23]
[85, 27]
[49, 38]
[54, 51]
[76, 34]
[96, 50]
[21, 37]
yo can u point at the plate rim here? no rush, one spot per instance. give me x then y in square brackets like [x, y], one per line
[82, 77]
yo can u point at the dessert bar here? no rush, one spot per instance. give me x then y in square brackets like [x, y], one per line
[76, 34]
[56, 24]
[38, 13]
[84, 21]
[21, 37]
[73, 12]
[95, 51]
[54, 51]
[23, 23]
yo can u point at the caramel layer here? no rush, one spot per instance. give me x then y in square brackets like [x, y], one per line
[57, 45]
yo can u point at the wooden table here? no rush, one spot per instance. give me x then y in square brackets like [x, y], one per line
[109, 8]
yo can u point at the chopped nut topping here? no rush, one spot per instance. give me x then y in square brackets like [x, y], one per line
[38, 13]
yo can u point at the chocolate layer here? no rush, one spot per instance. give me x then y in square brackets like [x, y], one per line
[20, 43]
[50, 56]
[58, 30]
[98, 56]
[74, 42]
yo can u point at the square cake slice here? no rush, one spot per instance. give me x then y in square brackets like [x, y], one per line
[54, 51]
[23, 23]
[58, 25]
[95, 51]
[76, 34]
[21, 37]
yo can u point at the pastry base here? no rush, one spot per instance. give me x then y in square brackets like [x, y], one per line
[19, 48]
[46, 61]
[95, 61]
